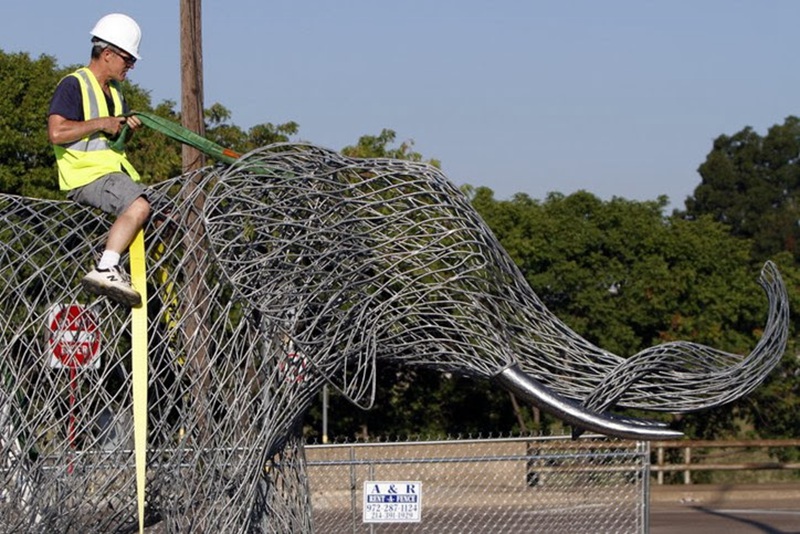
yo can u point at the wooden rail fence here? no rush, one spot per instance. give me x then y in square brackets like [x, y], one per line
[689, 463]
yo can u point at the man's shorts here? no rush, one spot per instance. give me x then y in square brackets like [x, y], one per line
[112, 193]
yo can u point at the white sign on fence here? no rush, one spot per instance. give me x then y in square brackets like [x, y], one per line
[392, 502]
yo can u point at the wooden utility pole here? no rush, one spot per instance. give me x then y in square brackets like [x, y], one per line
[192, 79]
[193, 294]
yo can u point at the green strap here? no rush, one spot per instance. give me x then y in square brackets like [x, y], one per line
[179, 133]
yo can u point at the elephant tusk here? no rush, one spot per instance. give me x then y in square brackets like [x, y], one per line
[515, 380]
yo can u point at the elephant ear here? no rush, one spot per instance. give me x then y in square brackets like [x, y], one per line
[349, 366]
[282, 231]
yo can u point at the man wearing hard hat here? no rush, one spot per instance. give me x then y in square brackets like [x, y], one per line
[86, 113]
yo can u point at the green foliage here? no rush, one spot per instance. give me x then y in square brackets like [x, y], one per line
[26, 156]
[412, 402]
[624, 275]
[220, 131]
[752, 183]
[377, 146]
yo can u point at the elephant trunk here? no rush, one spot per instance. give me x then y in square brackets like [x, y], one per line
[532, 391]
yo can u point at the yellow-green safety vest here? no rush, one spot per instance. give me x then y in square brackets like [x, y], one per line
[84, 161]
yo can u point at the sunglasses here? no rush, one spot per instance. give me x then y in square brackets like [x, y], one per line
[130, 61]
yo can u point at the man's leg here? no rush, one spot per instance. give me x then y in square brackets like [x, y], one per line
[127, 225]
[116, 194]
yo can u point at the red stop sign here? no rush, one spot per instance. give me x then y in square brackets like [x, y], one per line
[74, 336]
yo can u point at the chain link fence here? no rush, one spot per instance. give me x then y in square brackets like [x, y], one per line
[522, 484]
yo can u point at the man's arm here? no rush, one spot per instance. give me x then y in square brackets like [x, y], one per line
[61, 130]
[65, 122]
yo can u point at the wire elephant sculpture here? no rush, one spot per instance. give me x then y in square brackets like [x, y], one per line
[293, 268]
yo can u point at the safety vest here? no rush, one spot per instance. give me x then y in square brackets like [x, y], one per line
[84, 161]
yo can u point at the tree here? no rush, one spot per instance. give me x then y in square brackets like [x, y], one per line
[752, 183]
[219, 130]
[411, 402]
[26, 156]
[377, 146]
[619, 271]
[626, 277]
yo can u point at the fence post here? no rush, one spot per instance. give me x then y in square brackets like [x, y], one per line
[687, 459]
[643, 448]
[353, 488]
[660, 462]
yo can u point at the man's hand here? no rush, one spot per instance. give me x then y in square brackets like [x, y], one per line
[133, 122]
[111, 125]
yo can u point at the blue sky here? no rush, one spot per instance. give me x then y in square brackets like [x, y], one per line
[620, 97]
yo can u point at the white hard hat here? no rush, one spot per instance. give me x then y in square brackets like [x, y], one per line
[121, 31]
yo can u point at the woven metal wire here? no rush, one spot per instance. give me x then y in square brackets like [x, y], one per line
[294, 268]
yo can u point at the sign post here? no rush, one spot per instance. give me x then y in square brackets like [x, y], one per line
[74, 342]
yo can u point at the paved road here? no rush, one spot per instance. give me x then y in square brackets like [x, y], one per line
[720, 510]
[750, 518]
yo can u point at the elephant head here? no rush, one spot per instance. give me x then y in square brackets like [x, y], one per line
[293, 268]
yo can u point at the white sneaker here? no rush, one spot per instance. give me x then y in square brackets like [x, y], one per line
[114, 284]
